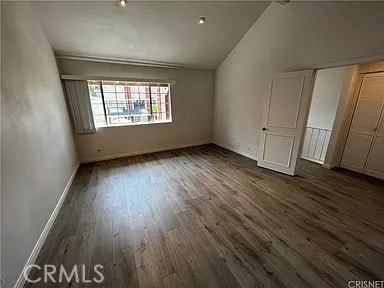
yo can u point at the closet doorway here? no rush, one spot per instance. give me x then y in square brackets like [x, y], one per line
[364, 148]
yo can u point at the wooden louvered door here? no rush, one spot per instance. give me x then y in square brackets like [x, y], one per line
[375, 163]
[364, 150]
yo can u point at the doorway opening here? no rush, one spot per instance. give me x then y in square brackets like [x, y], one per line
[345, 126]
[330, 89]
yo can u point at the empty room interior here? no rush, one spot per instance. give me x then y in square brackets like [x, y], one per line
[192, 144]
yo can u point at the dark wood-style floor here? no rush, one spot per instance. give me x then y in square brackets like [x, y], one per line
[207, 217]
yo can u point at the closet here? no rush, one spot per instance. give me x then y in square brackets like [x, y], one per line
[364, 149]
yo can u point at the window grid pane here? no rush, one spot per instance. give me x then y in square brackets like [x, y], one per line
[127, 103]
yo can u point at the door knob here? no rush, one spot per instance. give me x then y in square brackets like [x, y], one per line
[264, 129]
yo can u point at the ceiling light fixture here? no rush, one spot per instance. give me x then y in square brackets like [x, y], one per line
[201, 20]
[123, 3]
[283, 2]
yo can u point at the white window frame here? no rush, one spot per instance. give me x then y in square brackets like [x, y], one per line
[150, 84]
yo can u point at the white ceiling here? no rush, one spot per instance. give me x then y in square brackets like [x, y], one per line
[165, 32]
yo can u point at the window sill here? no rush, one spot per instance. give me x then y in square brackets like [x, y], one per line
[133, 124]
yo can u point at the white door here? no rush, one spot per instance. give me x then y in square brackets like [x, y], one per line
[284, 121]
[363, 151]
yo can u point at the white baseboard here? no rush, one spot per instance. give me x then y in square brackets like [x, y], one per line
[351, 167]
[116, 156]
[329, 166]
[36, 250]
[375, 174]
[248, 155]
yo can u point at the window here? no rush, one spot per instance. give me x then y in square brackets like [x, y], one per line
[129, 103]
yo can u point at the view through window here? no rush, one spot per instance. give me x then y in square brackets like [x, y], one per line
[128, 103]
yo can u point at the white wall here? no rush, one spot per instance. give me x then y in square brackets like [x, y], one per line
[38, 149]
[343, 117]
[327, 90]
[299, 35]
[192, 112]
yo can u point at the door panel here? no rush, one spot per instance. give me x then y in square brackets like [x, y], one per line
[283, 121]
[356, 152]
[285, 102]
[278, 149]
[369, 105]
[375, 163]
[380, 131]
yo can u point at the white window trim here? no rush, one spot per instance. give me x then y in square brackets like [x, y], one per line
[149, 82]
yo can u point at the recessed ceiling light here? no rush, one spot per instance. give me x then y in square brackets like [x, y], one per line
[123, 3]
[283, 2]
[201, 20]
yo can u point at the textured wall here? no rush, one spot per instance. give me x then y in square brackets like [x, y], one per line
[192, 111]
[37, 146]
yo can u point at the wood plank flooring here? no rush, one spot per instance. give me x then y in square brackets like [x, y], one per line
[207, 217]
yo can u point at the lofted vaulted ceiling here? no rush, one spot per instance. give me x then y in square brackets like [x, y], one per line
[163, 32]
